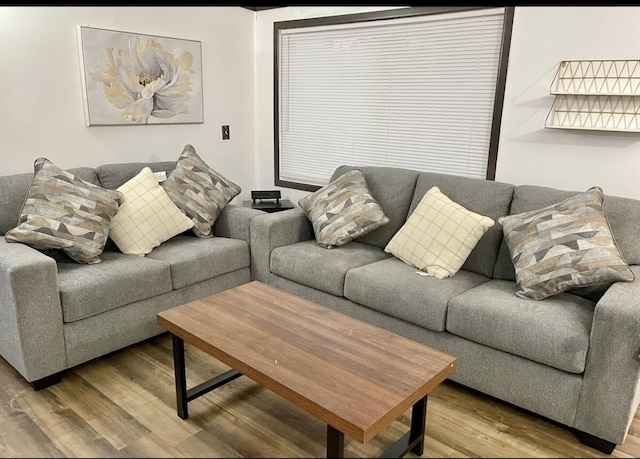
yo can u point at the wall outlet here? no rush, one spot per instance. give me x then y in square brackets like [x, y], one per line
[225, 132]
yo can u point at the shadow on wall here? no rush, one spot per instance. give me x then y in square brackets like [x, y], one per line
[577, 137]
[534, 104]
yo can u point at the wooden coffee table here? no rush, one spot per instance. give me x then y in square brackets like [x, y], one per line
[355, 377]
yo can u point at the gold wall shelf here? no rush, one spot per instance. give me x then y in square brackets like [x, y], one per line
[596, 95]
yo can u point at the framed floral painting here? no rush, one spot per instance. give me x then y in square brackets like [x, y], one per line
[129, 78]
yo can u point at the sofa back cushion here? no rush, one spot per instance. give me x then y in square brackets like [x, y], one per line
[622, 214]
[115, 175]
[485, 197]
[14, 189]
[393, 189]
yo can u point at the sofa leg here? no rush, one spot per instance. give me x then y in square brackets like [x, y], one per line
[594, 442]
[47, 381]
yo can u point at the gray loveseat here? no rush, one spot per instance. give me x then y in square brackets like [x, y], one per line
[56, 313]
[572, 358]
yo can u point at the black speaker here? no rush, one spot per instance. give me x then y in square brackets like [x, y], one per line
[265, 194]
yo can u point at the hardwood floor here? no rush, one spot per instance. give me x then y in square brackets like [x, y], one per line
[123, 405]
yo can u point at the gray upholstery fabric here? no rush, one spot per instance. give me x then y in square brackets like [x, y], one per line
[273, 230]
[393, 189]
[14, 189]
[193, 259]
[34, 338]
[554, 332]
[30, 314]
[13, 192]
[324, 269]
[112, 330]
[111, 176]
[120, 279]
[530, 385]
[611, 390]
[393, 287]
[234, 222]
[485, 197]
[613, 371]
[622, 214]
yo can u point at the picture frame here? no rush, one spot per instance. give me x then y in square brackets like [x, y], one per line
[131, 79]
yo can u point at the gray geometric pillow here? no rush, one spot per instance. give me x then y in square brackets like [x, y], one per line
[343, 210]
[199, 191]
[564, 246]
[64, 212]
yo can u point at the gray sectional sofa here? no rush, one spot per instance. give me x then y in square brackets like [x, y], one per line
[56, 313]
[572, 358]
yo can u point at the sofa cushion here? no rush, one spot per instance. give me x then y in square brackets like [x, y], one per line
[622, 214]
[563, 246]
[553, 332]
[86, 290]
[147, 217]
[114, 175]
[309, 264]
[64, 212]
[392, 188]
[343, 210]
[193, 259]
[200, 191]
[14, 189]
[439, 235]
[393, 287]
[484, 197]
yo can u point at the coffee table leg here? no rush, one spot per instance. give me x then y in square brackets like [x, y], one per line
[418, 419]
[335, 442]
[181, 376]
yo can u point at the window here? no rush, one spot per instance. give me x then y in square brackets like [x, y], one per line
[420, 88]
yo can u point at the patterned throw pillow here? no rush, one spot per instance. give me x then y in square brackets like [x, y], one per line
[64, 212]
[343, 210]
[562, 246]
[199, 191]
[147, 217]
[439, 235]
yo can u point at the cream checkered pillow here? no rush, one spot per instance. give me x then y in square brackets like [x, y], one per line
[439, 235]
[147, 218]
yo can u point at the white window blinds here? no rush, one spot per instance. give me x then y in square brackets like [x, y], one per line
[414, 92]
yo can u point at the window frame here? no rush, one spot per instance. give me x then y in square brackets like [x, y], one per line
[382, 15]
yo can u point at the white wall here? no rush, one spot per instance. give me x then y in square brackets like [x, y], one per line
[41, 109]
[528, 153]
[564, 158]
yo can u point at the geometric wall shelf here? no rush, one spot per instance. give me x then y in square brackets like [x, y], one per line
[596, 95]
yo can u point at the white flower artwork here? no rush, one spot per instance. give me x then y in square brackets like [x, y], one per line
[129, 78]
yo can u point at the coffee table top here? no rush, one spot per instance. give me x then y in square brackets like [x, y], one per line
[353, 376]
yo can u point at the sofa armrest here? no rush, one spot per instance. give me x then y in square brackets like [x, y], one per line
[31, 335]
[233, 222]
[273, 230]
[610, 388]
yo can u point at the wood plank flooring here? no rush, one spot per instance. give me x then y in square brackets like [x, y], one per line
[123, 405]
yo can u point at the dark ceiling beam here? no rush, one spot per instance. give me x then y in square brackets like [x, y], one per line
[260, 8]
